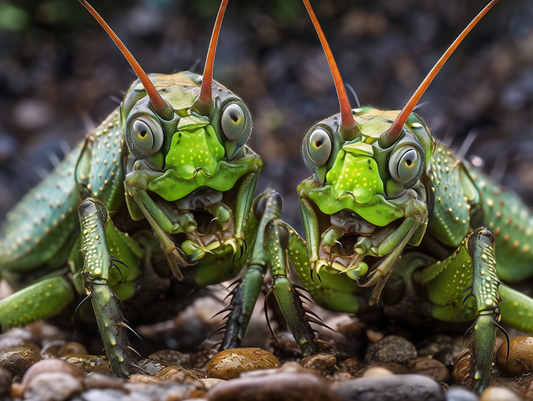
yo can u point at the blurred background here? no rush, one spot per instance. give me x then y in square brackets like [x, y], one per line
[60, 75]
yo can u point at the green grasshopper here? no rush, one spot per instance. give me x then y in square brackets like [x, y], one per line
[172, 159]
[387, 207]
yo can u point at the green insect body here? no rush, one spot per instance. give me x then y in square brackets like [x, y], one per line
[387, 207]
[172, 159]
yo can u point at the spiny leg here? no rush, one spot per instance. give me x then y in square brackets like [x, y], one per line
[276, 244]
[266, 207]
[107, 307]
[447, 281]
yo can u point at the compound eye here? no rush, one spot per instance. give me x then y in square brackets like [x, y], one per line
[233, 122]
[404, 164]
[319, 146]
[147, 136]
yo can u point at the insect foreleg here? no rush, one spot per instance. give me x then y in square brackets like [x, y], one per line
[266, 207]
[98, 237]
[469, 273]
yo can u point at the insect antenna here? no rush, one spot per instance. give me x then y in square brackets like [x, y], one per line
[349, 128]
[161, 107]
[204, 103]
[390, 136]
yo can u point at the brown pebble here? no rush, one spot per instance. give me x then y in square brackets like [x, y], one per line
[49, 366]
[72, 348]
[89, 363]
[461, 369]
[520, 360]
[377, 371]
[229, 364]
[351, 365]
[342, 376]
[172, 357]
[179, 374]
[143, 379]
[101, 381]
[269, 387]
[17, 391]
[18, 360]
[494, 393]
[323, 363]
[53, 386]
[391, 349]
[394, 368]
[431, 367]
[211, 382]
[149, 366]
[52, 348]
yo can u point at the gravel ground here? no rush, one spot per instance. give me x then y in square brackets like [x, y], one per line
[60, 75]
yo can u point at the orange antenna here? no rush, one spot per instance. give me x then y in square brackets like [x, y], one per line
[348, 125]
[389, 137]
[162, 108]
[207, 81]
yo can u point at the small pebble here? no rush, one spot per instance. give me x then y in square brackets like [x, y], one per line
[18, 360]
[434, 345]
[211, 382]
[394, 368]
[431, 367]
[342, 376]
[103, 395]
[89, 363]
[277, 386]
[51, 365]
[390, 388]
[172, 357]
[73, 348]
[163, 391]
[323, 364]
[351, 365]
[391, 349]
[460, 394]
[53, 386]
[376, 371]
[461, 369]
[101, 381]
[51, 349]
[230, 363]
[439, 347]
[494, 393]
[179, 374]
[520, 360]
[143, 379]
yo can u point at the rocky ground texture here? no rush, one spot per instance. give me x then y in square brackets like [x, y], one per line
[40, 363]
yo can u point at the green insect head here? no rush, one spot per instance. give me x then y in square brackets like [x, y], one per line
[358, 174]
[189, 150]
